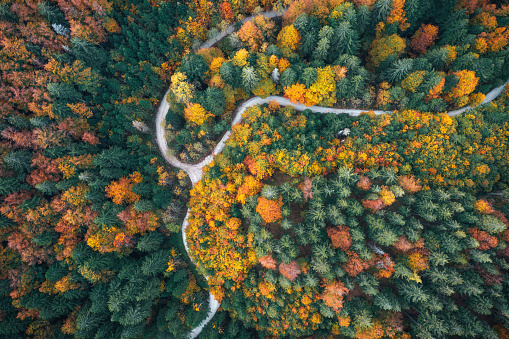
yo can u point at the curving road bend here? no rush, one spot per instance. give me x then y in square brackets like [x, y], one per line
[195, 171]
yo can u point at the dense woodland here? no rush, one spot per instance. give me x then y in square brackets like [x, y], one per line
[297, 241]
[389, 55]
[397, 230]
[90, 214]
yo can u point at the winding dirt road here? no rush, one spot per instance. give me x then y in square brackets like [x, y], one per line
[195, 171]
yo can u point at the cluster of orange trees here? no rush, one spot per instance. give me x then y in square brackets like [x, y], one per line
[304, 232]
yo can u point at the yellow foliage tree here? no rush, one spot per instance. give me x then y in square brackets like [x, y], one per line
[210, 54]
[215, 64]
[466, 85]
[196, 114]
[323, 90]
[265, 88]
[412, 81]
[387, 196]
[76, 195]
[289, 38]
[181, 89]
[384, 46]
[250, 187]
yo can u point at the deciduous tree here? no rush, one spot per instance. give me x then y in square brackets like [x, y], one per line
[384, 46]
[270, 210]
[423, 38]
[196, 114]
[289, 38]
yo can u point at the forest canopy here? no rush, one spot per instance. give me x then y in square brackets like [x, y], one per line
[372, 226]
[302, 232]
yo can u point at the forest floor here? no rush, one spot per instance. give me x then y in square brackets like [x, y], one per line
[195, 170]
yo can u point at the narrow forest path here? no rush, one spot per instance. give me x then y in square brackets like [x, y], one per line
[195, 171]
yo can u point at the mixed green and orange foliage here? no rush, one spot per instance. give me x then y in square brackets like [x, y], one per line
[303, 232]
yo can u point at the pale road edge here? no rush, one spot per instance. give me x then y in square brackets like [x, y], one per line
[195, 171]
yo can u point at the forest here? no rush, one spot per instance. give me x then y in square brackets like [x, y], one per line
[388, 224]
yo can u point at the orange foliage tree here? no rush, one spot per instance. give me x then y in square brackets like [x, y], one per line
[295, 93]
[486, 241]
[120, 191]
[423, 38]
[397, 14]
[384, 46]
[409, 183]
[139, 222]
[290, 271]
[333, 295]
[364, 183]
[373, 205]
[251, 35]
[355, 265]
[270, 210]
[340, 237]
[226, 11]
[435, 92]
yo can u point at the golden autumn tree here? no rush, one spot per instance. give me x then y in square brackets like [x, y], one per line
[323, 90]
[466, 84]
[384, 46]
[240, 58]
[249, 187]
[417, 262]
[296, 93]
[180, 88]
[289, 38]
[413, 81]
[265, 88]
[196, 114]
[387, 196]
